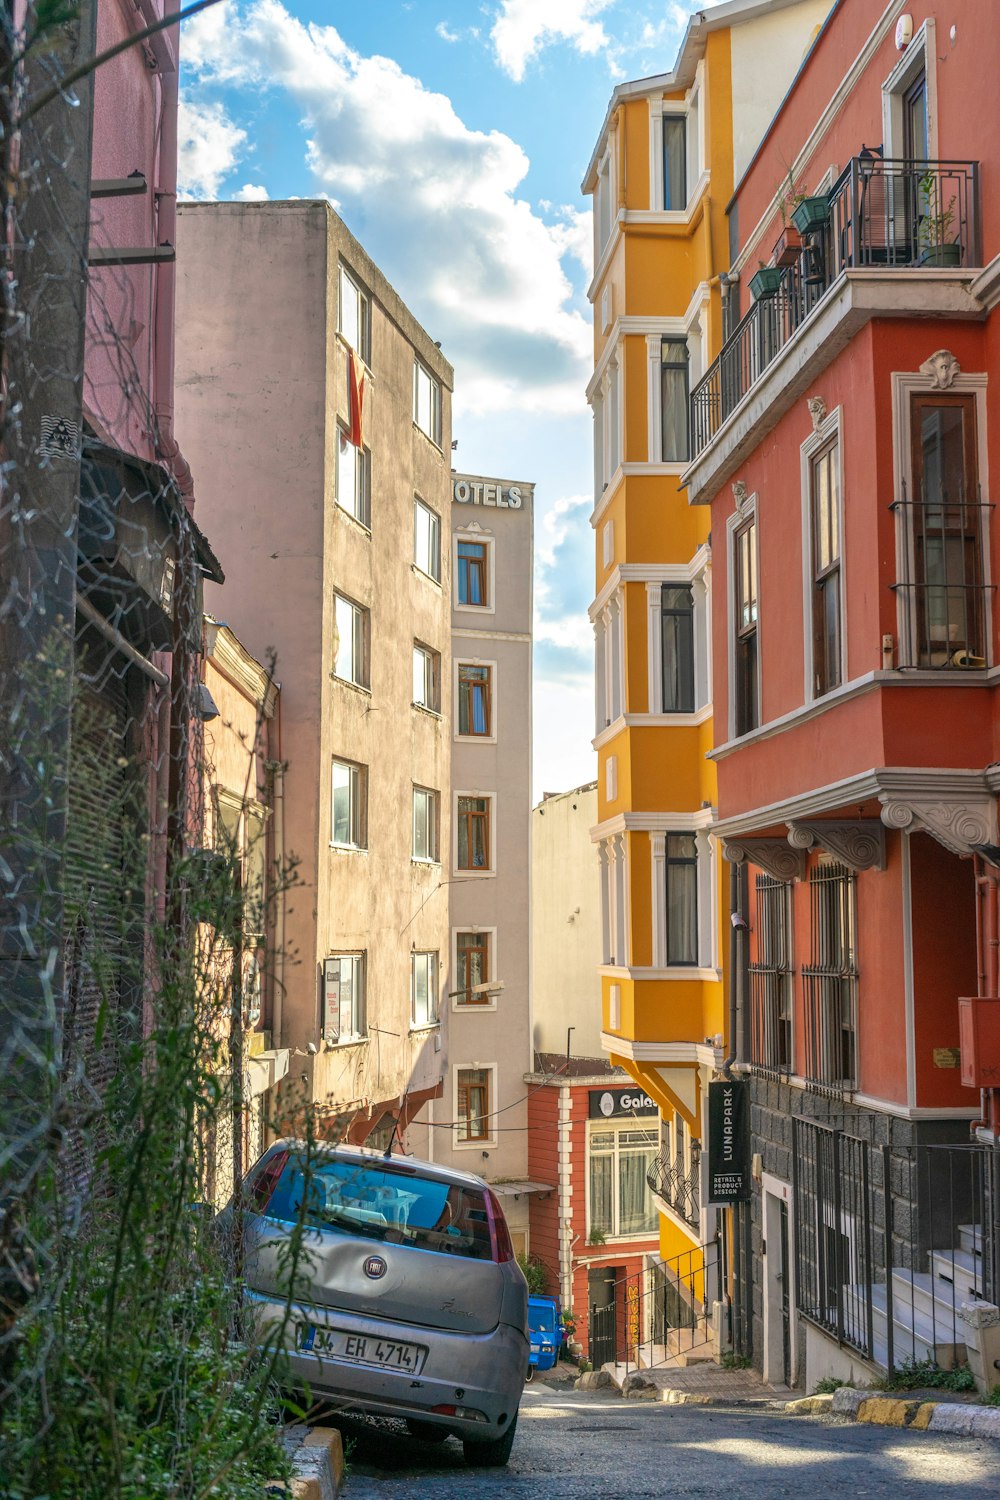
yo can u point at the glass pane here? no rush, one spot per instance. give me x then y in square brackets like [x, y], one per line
[682, 913]
[419, 676]
[347, 474]
[678, 650]
[636, 1214]
[674, 162]
[421, 541]
[600, 1193]
[343, 663]
[420, 824]
[350, 312]
[341, 804]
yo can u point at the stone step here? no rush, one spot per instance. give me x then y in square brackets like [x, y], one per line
[915, 1337]
[959, 1269]
[970, 1238]
[918, 1294]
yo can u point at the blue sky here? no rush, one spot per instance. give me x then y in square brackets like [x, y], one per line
[452, 138]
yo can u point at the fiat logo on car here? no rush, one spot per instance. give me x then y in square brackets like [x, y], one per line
[375, 1267]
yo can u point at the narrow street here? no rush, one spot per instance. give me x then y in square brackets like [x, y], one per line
[588, 1446]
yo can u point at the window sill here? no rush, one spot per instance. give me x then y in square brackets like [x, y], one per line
[474, 739]
[432, 713]
[363, 526]
[475, 609]
[424, 1027]
[355, 687]
[344, 1043]
[433, 441]
[461, 1007]
[472, 874]
[425, 862]
[477, 1145]
[416, 568]
[349, 848]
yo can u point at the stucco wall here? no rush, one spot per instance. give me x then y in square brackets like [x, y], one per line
[566, 924]
[766, 54]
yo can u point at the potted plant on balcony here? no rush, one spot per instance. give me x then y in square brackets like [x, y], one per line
[938, 247]
[811, 212]
[765, 282]
[789, 244]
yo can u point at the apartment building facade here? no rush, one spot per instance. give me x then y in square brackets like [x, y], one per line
[845, 465]
[479, 1122]
[668, 154]
[323, 419]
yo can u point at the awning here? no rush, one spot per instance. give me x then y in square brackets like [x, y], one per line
[265, 1069]
[513, 1189]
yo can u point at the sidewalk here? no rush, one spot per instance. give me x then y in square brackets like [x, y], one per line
[705, 1384]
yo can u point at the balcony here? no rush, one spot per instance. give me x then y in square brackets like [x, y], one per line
[883, 216]
[678, 1191]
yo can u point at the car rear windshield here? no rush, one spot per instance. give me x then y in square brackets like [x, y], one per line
[369, 1199]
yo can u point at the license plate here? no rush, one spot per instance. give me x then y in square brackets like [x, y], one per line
[362, 1349]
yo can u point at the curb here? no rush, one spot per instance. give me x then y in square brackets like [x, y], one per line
[925, 1416]
[317, 1455]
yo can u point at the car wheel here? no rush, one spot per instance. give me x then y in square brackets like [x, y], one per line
[427, 1432]
[493, 1455]
[529, 1377]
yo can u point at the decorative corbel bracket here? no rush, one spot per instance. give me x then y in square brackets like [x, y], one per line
[774, 856]
[960, 826]
[858, 843]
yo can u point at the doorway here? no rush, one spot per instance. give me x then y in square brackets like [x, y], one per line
[779, 1283]
[601, 1303]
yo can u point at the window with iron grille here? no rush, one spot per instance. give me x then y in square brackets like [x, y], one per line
[771, 978]
[830, 979]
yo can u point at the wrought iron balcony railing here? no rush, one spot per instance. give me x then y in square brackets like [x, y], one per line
[680, 1191]
[888, 214]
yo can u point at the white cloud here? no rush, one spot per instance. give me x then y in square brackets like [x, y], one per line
[249, 193]
[435, 203]
[523, 27]
[445, 33]
[208, 147]
[563, 546]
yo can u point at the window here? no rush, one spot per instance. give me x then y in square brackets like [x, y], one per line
[830, 980]
[427, 540]
[946, 526]
[423, 989]
[344, 998]
[427, 402]
[240, 835]
[355, 316]
[353, 479]
[746, 684]
[674, 392]
[824, 510]
[475, 699]
[771, 977]
[609, 652]
[473, 579]
[473, 1104]
[472, 964]
[682, 899]
[350, 641]
[425, 824]
[677, 635]
[426, 677]
[620, 1200]
[603, 210]
[613, 861]
[350, 805]
[675, 150]
[474, 833]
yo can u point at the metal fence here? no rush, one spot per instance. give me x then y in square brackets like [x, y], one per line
[681, 1190]
[659, 1313]
[889, 1246]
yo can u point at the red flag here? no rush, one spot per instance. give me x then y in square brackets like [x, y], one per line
[356, 378]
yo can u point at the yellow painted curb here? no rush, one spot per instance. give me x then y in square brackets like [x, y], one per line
[922, 1415]
[882, 1411]
[330, 1439]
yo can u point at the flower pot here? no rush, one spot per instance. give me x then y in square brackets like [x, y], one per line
[811, 213]
[789, 247]
[765, 282]
[942, 255]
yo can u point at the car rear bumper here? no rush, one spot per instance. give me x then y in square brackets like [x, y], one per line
[478, 1372]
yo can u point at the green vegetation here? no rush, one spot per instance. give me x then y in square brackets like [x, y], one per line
[535, 1274]
[918, 1375]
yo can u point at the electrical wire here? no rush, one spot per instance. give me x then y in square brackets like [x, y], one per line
[452, 1124]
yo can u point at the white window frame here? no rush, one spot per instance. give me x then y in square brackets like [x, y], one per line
[481, 1142]
[466, 1007]
[475, 739]
[433, 854]
[692, 107]
[743, 513]
[463, 874]
[363, 346]
[609, 657]
[708, 893]
[607, 404]
[608, 543]
[904, 385]
[436, 404]
[358, 784]
[482, 539]
[605, 198]
[615, 901]
[650, 1125]
[433, 1016]
[830, 430]
[698, 580]
[332, 1031]
[431, 664]
[362, 622]
[435, 531]
[920, 56]
[361, 497]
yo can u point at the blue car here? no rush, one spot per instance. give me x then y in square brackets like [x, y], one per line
[545, 1333]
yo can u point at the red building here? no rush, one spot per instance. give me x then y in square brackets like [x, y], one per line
[593, 1136]
[844, 443]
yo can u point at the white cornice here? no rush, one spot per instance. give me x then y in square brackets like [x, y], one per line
[986, 286]
[693, 1054]
[230, 657]
[652, 573]
[678, 218]
[607, 255]
[654, 822]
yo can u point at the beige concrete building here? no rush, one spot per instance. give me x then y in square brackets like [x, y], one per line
[338, 563]
[480, 1122]
[566, 924]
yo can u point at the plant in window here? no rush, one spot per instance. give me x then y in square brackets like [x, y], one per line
[934, 227]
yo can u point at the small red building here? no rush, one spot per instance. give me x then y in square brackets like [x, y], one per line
[844, 442]
[593, 1136]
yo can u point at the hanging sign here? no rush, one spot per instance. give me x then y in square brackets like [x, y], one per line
[728, 1142]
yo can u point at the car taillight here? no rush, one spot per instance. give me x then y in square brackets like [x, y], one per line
[499, 1233]
[265, 1183]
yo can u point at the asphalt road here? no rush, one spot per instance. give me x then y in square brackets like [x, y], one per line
[590, 1446]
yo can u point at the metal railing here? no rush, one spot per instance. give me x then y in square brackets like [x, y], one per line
[830, 980]
[661, 1313]
[888, 1246]
[679, 1189]
[889, 214]
[942, 586]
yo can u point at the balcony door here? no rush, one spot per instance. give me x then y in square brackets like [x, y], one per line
[916, 145]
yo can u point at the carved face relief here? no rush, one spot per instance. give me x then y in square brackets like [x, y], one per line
[817, 410]
[740, 493]
[941, 369]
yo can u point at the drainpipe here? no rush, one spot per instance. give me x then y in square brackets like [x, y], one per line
[278, 994]
[737, 963]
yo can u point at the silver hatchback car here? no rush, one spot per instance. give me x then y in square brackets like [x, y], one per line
[408, 1301]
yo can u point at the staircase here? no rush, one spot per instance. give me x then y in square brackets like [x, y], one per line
[925, 1306]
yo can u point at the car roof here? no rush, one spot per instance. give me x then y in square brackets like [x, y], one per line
[416, 1164]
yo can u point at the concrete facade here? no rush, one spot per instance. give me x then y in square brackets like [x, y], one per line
[264, 402]
[566, 924]
[489, 1030]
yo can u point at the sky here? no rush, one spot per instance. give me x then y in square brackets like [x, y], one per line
[452, 137]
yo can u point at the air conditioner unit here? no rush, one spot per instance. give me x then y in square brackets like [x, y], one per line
[964, 658]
